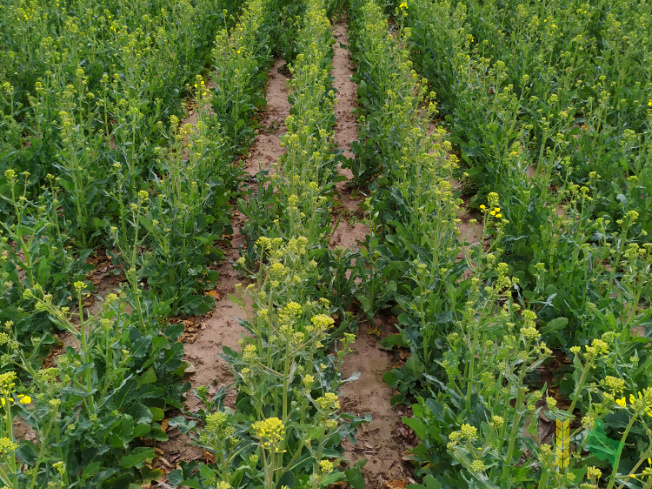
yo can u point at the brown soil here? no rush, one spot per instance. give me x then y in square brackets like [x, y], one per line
[470, 232]
[382, 442]
[221, 327]
[267, 147]
[385, 441]
[349, 231]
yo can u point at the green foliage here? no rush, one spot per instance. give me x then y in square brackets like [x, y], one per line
[551, 262]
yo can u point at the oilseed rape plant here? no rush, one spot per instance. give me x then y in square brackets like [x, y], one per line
[287, 374]
[560, 238]
[96, 162]
[498, 163]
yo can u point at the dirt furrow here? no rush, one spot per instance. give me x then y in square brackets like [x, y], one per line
[379, 441]
[220, 327]
[349, 231]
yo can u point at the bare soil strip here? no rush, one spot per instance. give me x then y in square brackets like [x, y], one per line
[382, 441]
[221, 327]
[349, 231]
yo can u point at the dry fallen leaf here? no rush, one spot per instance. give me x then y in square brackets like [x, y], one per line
[165, 462]
[396, 484]
[164, 425]
[214, 293]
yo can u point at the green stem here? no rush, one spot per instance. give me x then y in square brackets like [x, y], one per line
[579, 387]
[543, 482]
[84, 353]
[10, 435]
[614, 474]
[515, 427]
[44, 445]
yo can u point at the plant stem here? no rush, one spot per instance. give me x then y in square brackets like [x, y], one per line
[614, 474]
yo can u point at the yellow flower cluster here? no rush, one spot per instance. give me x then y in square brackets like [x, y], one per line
[494, 213]
[640, 402]
[597, 348]
[328, 401]
[215, 421]
[7, 446]
[466, 433]
[614, 384]
[270, 432]
[7, 382]
[469, 432]
[79, 285]
[21, 398]
[290, 312]
[322, 322]
[326, 466]
[249, 353]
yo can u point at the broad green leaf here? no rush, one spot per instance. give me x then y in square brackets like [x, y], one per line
[137, 458]
[600, 445]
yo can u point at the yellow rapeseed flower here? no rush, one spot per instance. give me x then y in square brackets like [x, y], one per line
[270, 432]
[79, 285]
[622, 402]
[24, 399]
[6, 445]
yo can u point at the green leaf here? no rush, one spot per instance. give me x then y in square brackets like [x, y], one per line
[286, 480]
[394, 340]
[332, 478]
[149, 475]
[414, 365]
[354, 475]
[90, 470]
[556, 324]
[157, 413]
[140, 347]
[206, 472]
[600, 445]
[141, 430]
[175, 477]
[418, 426]
[429, 482]
[137, 458]
[148, 377]
[140, 413]
[182, 423]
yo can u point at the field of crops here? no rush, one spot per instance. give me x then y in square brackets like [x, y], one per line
[273, 244]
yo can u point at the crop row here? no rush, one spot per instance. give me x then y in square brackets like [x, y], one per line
[287, 428]
[475, 336]
[95, 408]
[551, 108]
